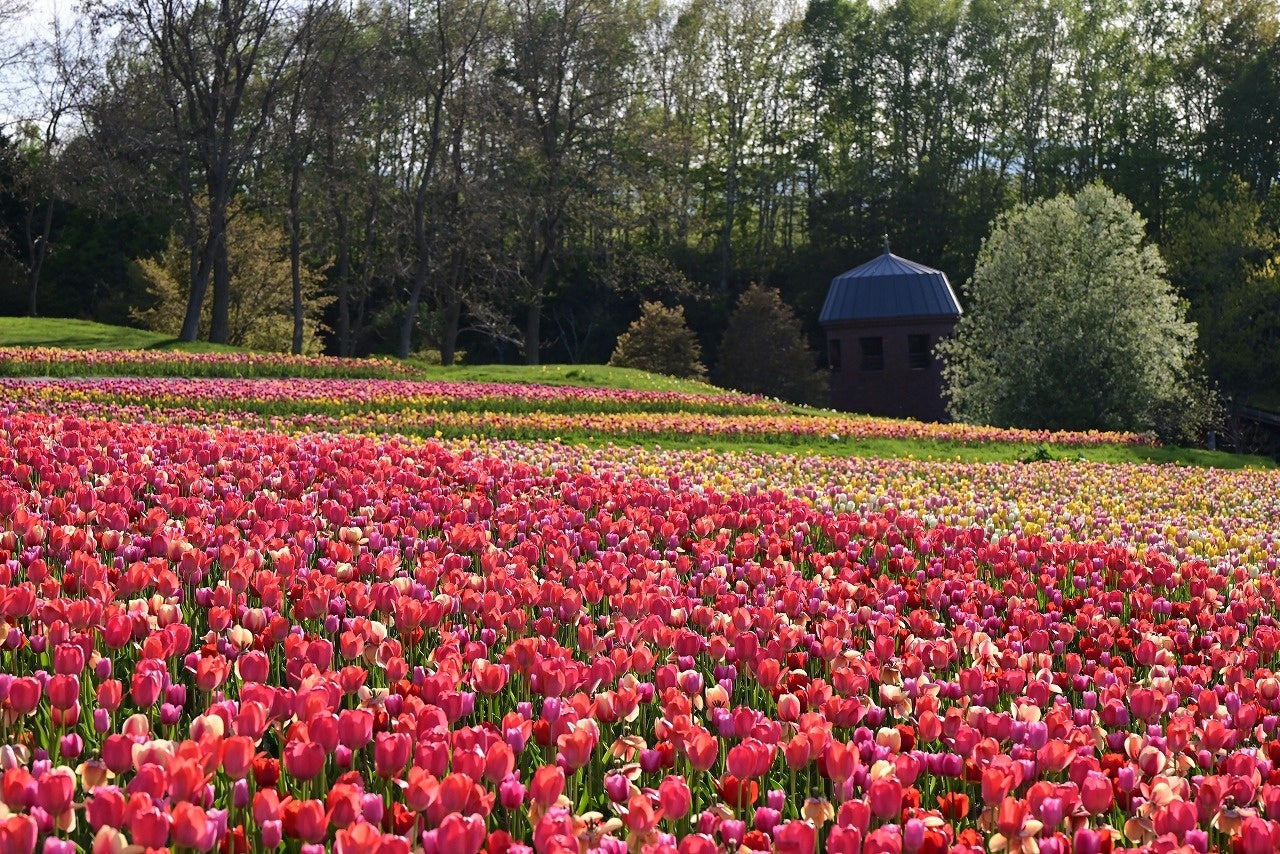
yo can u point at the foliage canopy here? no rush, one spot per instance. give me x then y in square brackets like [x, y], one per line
[1070, 323]
[260, 313]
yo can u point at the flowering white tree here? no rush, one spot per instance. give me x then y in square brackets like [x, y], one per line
[1070, 323]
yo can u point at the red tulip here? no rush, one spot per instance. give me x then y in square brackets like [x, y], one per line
[1096, 793]
[18, 834]
[304, 820]
[355, 728]
[304, 760]
[547, 785]
[703, 749]
[576, 747]
[68, 660]
[192, 827]
[211, 672]
[1258, 836]
[149, 827]
[841, 761]
[674, 798]
[738, 793]
[885, 797]
[954, 806]
[391, 753]
[795, 837]
[359, 838]
[343, 804]
[24, 695]
[238, 753]
[997, 783]
[459, 834]
[499, 762]
[640, 817]
[488, 678]
[105, 808]
[55, 791]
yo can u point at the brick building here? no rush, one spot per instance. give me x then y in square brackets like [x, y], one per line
[882, 321]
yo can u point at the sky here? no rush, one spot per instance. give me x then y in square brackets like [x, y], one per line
[15, 95]
[39, 14]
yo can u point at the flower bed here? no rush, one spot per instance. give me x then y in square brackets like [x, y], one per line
[527, 411]
[62, 362]
[229, 639]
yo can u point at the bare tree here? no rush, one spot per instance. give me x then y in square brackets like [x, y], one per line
[571, 68]
[439, 49]
[220, 68]
[58, 68]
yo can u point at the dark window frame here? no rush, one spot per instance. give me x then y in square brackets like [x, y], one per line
[872, 349]
[834, 361]
[919, 358]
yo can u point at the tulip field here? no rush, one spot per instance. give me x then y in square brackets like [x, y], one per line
[317, 615]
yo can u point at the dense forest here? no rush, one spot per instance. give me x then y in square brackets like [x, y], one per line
[512, 179]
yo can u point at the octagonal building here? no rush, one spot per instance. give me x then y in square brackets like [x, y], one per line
[882, 321]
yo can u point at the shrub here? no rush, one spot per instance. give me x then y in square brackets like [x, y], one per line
[261, 314]
[661, 342]
[764, 351]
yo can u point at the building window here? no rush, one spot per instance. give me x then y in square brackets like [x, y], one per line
[872, 354]
[919, 354]
[833, 354]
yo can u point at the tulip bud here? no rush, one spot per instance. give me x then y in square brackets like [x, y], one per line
[617, 787]
[271, 834]
[767, 819]
[71, 745]
[372, 808]
[511, 793]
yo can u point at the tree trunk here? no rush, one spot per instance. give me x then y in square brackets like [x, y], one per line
[200, 271]
[295, 257]
[449, 335]
[220, 325]
[532, 332]
[342, 274]
[411, 311]
[38, 249]
[219, 328]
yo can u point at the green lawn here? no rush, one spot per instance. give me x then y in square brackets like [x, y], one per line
[87, 335]
[599, 376]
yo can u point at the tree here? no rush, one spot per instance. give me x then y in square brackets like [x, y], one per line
[569, 67]
[1071, 324]
[661, 342]
[218, 69]
[764, 351]
[1222, 257]
[260, 304]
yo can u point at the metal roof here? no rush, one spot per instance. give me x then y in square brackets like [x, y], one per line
[889, 286]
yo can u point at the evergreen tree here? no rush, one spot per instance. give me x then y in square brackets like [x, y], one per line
[764, 351]
[661, 342]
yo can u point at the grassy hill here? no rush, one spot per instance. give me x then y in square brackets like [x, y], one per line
[88, 335]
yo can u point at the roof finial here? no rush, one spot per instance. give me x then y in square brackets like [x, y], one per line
[886, 243]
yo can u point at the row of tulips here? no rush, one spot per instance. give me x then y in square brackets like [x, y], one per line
[218, 639]
[338, 396]
[451, 410]
[65, 362]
